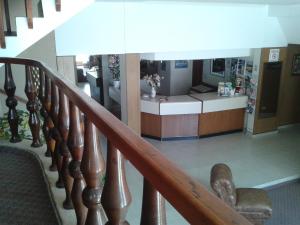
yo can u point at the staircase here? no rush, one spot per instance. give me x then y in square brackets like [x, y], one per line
[29, 30]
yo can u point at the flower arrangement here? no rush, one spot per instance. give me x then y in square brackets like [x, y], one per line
[153, 80]
[114, 66]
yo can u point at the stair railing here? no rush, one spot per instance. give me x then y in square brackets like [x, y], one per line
[72, 122]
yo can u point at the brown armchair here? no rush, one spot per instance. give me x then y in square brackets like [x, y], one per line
[252, 203]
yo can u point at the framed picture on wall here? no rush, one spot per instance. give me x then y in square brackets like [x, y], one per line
[218, 67]
[296, 65]
[180, 64]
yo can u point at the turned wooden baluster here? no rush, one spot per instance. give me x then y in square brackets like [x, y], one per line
[93, 169]
[63, 127]
[53, 125]
[48, 122]
[2, 33]
[62, 122]
[153, 209]
[116, 197]
[75, 144]
[29, 15]
[42, 95]
[11, 102]
[58, 5]
[32, 106]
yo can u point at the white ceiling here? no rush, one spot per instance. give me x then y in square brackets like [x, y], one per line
[264, 2]
[268, 2]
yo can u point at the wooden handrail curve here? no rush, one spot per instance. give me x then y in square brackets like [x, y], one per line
[190, 198]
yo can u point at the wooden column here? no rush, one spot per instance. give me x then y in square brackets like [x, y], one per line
[63, 127]
[2, 33]
[153, 209]
[116, 197]
[28, 7]
[47, 123]
[75, 144]
[130, 91]
[93, 169]
[32, 106]
[11, 102]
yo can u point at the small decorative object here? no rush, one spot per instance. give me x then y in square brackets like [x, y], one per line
[154, 82]
[180, 64]
[225, 89]
[114, 67]
[296, 65]
[153, 92]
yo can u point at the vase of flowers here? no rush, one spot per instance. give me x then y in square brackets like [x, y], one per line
[114, 67]
[154, 82]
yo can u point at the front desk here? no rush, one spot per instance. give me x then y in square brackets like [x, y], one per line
[220, 114]
[171, 117]
[194, 115]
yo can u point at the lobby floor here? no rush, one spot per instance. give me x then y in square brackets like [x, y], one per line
[256, 161]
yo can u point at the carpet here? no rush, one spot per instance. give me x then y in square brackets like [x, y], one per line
[286, 204]
[25, 197]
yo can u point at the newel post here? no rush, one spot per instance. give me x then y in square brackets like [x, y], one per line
[75, 144]
[116, 197]
[11, 102]
[93, 169]
[153, 208]
[32, 106]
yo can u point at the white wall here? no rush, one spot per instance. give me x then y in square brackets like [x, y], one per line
[181, 79]
[43, 50]
[148, 27]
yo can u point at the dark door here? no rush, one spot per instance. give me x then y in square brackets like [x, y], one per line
[197, 72]
[270, 89]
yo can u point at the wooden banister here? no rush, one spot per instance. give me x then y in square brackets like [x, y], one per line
[190, 198]
[2, 33]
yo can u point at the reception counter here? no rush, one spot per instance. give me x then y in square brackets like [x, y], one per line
[170, 117]
[220, 114]
[191, 115]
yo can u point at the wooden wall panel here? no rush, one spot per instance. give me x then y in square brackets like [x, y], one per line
[179, 125]
[267, 124]
[222, 121]
[289, 103]
[151, 124]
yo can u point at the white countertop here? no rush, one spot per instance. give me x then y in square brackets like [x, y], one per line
[172, 105]
[191, 104]
[213, 103]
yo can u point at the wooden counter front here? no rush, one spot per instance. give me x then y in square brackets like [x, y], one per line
[169, 126]
[221, 121]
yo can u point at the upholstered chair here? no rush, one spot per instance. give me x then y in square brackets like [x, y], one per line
[252, 203]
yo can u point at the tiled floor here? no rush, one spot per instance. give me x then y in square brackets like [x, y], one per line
[255, 161]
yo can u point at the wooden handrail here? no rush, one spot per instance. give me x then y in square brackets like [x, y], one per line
[190, 198]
